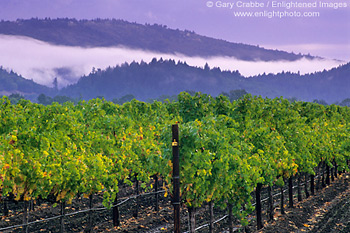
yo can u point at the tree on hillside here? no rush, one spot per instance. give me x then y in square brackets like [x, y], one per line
[322, 102]
[14, 98]
[235, 94]
[124, 99]
[55, 84]
[45, 100]
[345, 102]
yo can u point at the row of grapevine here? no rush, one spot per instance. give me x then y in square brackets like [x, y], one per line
[62, 150]
[230, 149]
[227, 149]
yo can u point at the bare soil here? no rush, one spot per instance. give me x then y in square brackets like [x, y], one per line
[327, 211]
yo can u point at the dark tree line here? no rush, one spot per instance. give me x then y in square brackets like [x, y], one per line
[112, 32]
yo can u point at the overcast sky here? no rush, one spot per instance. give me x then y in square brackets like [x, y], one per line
[326, 35]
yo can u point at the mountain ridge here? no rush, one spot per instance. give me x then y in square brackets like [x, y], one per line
[159, 38]
[166, 77]
[11, 82]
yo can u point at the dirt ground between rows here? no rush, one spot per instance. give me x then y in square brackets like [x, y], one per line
[327, 211]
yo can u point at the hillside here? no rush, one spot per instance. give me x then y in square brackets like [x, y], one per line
[160, 77]
[330, 85]
[11, 82]
[152, 80]
[158, 38]
[167, 77]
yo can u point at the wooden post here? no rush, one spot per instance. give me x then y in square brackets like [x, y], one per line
[305, 185]
[290, 189]
[116, 215]
[318, 183]
[335, 170]
[258, 206]
[90, 221]
[6, 208]
[63, 206]
[136, 211]
[156, 208]
[31, 205]
[176, 177]
[332, 172]
[328, 181]
[312, 184]
[211, 217]
[270, 203]
[323, 175]
[25, 217]
[282, 200]
[191, 219]
[299, 187]
[230, 218]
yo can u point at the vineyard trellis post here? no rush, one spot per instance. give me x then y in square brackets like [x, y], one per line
[116, 215]
[62, 213]
[328, 182]
[136, 210]
[90, 220]
[270, 202]
[211, 217]
[282, 200]
[335, 169]
[25, 217]
[312, 185]
[176, 177]
[6, 208]
[307, 194]
[298, 177]
[290, 189]
[258, 206]
[156, 208]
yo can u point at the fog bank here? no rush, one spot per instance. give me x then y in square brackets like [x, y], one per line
[42, 62]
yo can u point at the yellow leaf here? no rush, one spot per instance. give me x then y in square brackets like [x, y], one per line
[14, 138]
[61, 195]
[306, 225]
[26, 198]
[70, 200]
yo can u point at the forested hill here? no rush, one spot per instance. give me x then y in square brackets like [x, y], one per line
[166, 78]
[160, 77]
[151, 80]
[158, 38]
[10, 82]
[330, 85]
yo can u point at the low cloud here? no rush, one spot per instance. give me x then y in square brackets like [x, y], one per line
[332, 51]
[42, 62]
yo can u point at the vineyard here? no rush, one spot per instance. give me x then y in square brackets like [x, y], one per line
[228, 150]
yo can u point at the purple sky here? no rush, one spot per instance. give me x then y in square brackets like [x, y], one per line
[327, 35]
